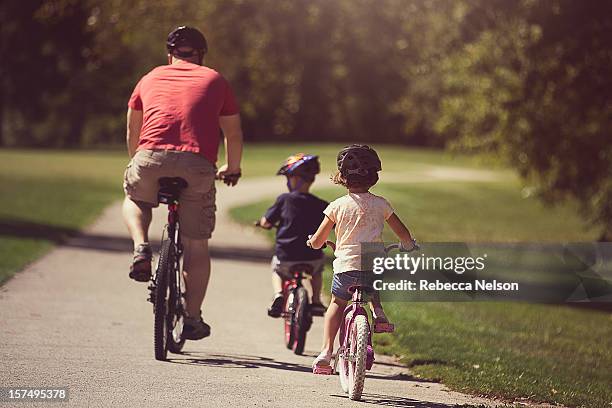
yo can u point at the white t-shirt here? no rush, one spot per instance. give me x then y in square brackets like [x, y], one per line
[359, 217]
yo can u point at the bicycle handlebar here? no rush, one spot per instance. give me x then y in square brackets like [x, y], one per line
[401, 248]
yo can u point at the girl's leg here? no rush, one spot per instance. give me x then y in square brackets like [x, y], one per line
[375, 302]
[381, 323]
[333, 319]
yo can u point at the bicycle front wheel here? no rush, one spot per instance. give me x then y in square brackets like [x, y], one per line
[359, 333]
[162, 295]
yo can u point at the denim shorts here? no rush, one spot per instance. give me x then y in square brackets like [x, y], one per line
[344, 280]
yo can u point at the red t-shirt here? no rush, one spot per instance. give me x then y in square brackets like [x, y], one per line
[182, 103]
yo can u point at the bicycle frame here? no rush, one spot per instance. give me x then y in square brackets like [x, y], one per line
[292, 283]
[288, 286]
[357, 307]
[173, 232]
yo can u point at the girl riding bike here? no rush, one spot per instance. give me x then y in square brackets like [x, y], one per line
[359, 217]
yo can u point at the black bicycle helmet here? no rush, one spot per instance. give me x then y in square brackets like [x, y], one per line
[184, 36]
[359, 160]
[300, 164]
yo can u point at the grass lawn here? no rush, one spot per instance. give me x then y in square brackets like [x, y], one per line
[265, 159]
[50, 195]
[55, 193]
[513, 350]
[510, 350]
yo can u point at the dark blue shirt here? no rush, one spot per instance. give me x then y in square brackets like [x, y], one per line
[298, 215]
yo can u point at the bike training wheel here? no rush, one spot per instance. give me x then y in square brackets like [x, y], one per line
[301, 320]
[176, 312]
[358, 349]
[288, 317]
[160, 327]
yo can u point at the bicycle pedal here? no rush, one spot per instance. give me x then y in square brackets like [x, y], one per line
[384, 327]
[369, 357]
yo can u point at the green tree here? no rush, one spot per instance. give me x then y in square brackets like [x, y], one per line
[533, 86]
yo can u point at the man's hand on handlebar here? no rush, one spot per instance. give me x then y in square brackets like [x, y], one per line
[228, 176]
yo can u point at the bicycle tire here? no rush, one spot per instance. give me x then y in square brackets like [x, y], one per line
[341, 354]
[160, 326]
[288, 309]
[176, 311]
[301, 320]
[342, 367]
[359, 347]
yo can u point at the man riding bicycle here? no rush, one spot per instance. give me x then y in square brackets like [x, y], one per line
[174, 118]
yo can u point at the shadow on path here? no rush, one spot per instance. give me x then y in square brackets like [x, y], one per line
[73, 238]
[237, 361]
[27, 229]
[394, 401]
[246, 361]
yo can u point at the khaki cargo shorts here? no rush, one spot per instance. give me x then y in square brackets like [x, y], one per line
[283, 268]
[197, 201]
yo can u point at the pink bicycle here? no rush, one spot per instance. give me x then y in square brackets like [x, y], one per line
[356, 353]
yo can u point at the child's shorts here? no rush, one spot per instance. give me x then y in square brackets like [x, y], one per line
[344, 280]
[283, 268]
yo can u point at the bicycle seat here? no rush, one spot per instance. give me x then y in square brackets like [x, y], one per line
[170, 189]
[364, 288]
[304, 268]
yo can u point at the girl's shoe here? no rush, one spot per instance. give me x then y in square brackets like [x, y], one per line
[381, 323]
[322, 364]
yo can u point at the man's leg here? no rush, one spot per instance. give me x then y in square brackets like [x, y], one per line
[196, 270]
[137, 217]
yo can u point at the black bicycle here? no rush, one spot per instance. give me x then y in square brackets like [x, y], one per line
[167, 289]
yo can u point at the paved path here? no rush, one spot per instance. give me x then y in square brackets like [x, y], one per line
[74, 319]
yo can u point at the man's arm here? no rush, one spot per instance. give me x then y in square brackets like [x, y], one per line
[230, 125]
[134, 125]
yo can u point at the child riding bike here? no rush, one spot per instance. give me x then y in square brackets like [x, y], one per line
[359, 217]
[297, 213]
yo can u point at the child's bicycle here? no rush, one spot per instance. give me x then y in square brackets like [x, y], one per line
[356, 353]
[296, 312]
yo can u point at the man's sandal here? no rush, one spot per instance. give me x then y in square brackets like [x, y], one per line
[140, 270]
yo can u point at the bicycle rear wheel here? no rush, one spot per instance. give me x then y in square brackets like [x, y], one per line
[288, 309]
[301, 320]
[358, 351]
[176, 311]
[161, 298]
